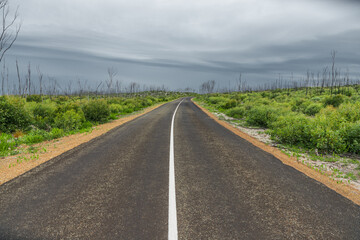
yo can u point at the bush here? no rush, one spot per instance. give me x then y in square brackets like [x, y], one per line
[335, 101]
[33, 98]
[96, 111]
[301, 105]
[44, 110]
[146, 103]
[44, 115]
[69, 120]
[351, 112]
[216, 100]
[313, 109]
[236, 112]
[262, 116]
[115, 108]
[326, 131]
[62, 108]
[352, 137]
[292, 129]
[227, 104]
[13, 116]
[86, 125]
[129, 108]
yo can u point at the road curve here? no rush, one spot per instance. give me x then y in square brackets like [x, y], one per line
[116, 187]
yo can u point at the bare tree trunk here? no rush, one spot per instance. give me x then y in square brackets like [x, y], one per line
[40, 76]
[28, 80]
[333, 55]
[7, 37]
[7, 81]
[307, 81]
[3, 81]
[69, 87]
[18, 75]
[111, 74]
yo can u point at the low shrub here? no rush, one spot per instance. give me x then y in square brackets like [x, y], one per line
[216, 100]
[236, 112]
[13, 116]
[44, 110]
[56, 133]
[352, 137]
[96, 111]
[335, 101]
[36, 136]
[350, 111]
[129, 108]
[228, 104]
[313, 109]
[115, 108]
[326, 131]
[69, 120]
[262, 116]
[44, 115]
[292, 129]
[86, 125]
[33, 98]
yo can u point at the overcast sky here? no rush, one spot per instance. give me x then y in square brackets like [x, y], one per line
[182, 43]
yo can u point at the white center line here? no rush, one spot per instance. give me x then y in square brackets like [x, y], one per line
[173, 232]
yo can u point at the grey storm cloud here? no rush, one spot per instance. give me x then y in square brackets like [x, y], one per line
[182, 43]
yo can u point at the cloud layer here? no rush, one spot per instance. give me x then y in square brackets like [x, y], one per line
[182, 43]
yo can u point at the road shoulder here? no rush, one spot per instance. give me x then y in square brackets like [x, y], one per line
[344, 190]
[16, 165]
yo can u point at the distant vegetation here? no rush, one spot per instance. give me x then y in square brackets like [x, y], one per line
[325, 119]
[38, 118]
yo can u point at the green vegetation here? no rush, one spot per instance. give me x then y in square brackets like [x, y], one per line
[309, 118]
[37, 118]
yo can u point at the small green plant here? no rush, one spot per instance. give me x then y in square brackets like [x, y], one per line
[350, 176]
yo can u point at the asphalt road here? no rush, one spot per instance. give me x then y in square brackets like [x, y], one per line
[117, 187]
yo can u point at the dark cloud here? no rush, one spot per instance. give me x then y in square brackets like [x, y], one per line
[182, 43]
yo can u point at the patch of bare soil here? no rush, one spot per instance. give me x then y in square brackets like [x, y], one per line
[13, 166]
[332, 174]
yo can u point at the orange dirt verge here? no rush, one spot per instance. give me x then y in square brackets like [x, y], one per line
[13, 166]
[345, 190]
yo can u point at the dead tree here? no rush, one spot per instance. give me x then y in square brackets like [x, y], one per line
[40, 76]
[18, 75]
[239, 83]
[8, 32]
[111, 74]
[333, 70]
[118, 87]
[69, 88]
[28, 81]
[3, 80]
[207, 87]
